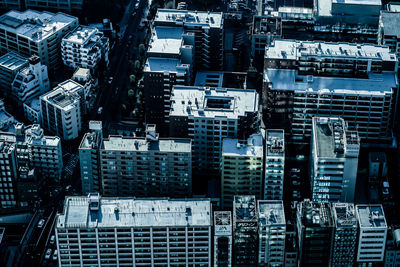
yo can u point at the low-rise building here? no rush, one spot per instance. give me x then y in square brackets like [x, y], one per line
[10, 64]
[392, 255]
[32, 110]
[223, 239]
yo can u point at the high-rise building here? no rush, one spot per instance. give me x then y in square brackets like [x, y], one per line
[392, 255]
[10, 64]
[291, 246]
[11, 4]
[241, 168]
[103, 231]
[389, 34]
[59, 5]
[35, 33]
[208, 29]
[315, 231]
[274, 164]
[149, 166]
[334, 160]
[222, 239]
[245, 231]
[372, 234]
[89, 158]
[271, 233]
[8, 163]
[345, 234]
[377, 165]
[84, 47]
[61, 109]
[208, 115]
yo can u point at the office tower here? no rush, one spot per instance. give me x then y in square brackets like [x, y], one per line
[208, 29]
[208, 115]
[222, 239]
[245, 231]
[60, 5]
[334, 160]
[372, 236]
[61, 110]
[170, 60]
[104, 231]
[392, 255]
[31, 81]
[84, 47]
[345, 234]
[274, 164]
[10, 64]
[35, 33]
[315, 230]
[377, 165]
[89, 158]
[356, 82]
[389, 34]
[149, 166]
[241, 168]
[291, 246]
[271, 233]
[8, 164]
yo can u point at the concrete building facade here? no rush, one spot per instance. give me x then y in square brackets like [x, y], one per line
[274, 164]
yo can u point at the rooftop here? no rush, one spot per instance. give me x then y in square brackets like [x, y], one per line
[344, 214]
[292, 49]
[158, 64]
[125, 143]
[187, 17]
[253, 147]
[81, 35]
[244, 208]
[62, 98]
[166, 40]
[390, 22]
[133, 212]
[13, 61]
[371, 216]
[315, 213]
[275, 143]
[271, 212]
[212, 102]
[376, 83]
[35, 25]
[82, 72]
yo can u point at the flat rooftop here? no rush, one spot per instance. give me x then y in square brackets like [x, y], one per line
[212, 102]
[69, 86]
[344, 214]
[376, 83]
[371, 216]
[61, 98]
[271, 213]
[316, 214]
[166, 40]
[187, 17]
[35, 25]
[390, 22]
[244, 208]
[159, 64]
[275, 143]
[13, 61]
[81, 35]
[293, 50]
[253, 147]
[326, 131]
[125, 143]
[135, 212]
[81, 72]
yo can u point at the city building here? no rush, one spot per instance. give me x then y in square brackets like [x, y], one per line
[345, 234]
[274, 164]
[10, 64]
[89, 158]
[11, 4]
[372, 234]
[7, 121]
[84, 47]
[69, 6]
[222, 79]
[208, 28]
[377, 165]
[35, 33]
[8, 163]
[149, 166]
[223, 239]
[241, 168]
[61, 110]
[291, 246]
[245, 231]
[170, 59]
[84, 78]
[271, 233]
[102, 231]
[32, 110]
[31, 81]
[3, 246]
[334, 160]
[208, 115]
[392, 255]
[315, 231]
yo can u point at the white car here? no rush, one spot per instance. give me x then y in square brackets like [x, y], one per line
[52, 239]
[294, 182]
[41, 223]
[55, 255]
[48, 254]
[100, 110]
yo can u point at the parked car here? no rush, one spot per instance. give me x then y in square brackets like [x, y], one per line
[52, 239]
[55, 255]
[294, 182]
[41, 223]
[48, 254]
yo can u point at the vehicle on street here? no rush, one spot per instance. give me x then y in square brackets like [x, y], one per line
[68, 187]
[100, 110]
[294, 182]
[137, 5]
[41, 223]
[110, 80]
[48, 254]
[55, 255]
[52, 239]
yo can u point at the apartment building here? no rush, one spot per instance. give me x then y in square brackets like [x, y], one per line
[10, 64]
[134, 232]
[35, 33]
[170, 61]
[392, 255]
[84, 78]
[388, 34]
[223, 239]
[245, 231]
[8, 165]
[208, 29]
[149, 166]
[345, 234]
[68, 6]
[315, 230]
[274, 164]
[241, 168]
[61, 110]
[31, 81]
[11, 4]
[372, 234]
[271, 233]
[208, 115]
[334, 160]
[84, 47]
[32, 110]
